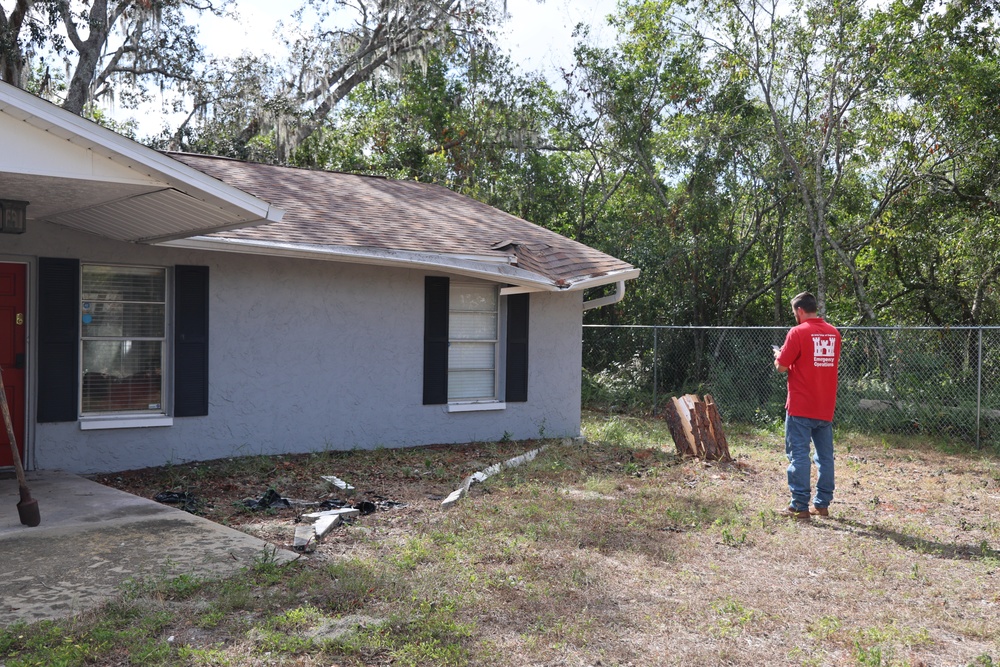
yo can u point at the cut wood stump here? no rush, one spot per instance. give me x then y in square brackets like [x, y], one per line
[679, 423]
[722, 445]
[696, 427]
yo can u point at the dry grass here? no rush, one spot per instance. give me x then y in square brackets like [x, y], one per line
[611, 553]
[688, 564]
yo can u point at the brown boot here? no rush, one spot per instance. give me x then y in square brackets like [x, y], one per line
[793, 513]
[819, 511]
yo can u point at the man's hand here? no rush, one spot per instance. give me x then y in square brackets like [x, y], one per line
[777, 351]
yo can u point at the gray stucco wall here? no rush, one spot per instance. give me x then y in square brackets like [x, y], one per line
[307, 355]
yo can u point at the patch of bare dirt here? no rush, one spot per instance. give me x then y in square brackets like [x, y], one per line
[400, 481]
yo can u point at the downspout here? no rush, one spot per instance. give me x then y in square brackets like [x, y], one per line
[612, 298]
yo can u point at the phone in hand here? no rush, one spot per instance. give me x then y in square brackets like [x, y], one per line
[776, 348]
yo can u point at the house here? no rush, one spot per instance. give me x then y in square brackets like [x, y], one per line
[161, 308]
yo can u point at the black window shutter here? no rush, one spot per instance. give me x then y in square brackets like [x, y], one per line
[517, 348]
[190, 341]
[58, 339]
[435, 340]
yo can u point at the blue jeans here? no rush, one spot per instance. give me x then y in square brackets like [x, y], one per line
[798, 432]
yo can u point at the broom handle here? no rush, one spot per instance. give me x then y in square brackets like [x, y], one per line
[10, 434]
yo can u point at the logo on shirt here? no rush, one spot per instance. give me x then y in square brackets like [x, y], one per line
[824, 350]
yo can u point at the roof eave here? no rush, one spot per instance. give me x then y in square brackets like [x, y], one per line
[485, 267]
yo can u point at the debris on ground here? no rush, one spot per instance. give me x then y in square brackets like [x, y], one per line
[343, 513]
[377, 503]
[313, 526]
[482, 475]
[366, 507]
[305, 538]
[324, 522]
[338, 483]
[270, 500]
[187, 502]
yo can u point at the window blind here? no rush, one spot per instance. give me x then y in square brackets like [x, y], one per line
[472, 341]
[123, 329]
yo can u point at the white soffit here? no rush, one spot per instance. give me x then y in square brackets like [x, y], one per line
[76, 173]
[157, 216]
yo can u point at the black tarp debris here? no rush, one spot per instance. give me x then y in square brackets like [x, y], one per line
[270, 500]
[376, 504]
[273, 500]
[187, 502]
[389, 504]
[365, 507]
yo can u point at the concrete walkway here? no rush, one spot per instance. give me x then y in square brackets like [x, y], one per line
[92, 538]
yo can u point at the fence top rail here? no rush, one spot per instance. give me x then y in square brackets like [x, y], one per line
[848, 327]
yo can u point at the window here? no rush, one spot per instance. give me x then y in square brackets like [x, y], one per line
[123, 339]
[473, 325]
[126, 340]
[467, 364]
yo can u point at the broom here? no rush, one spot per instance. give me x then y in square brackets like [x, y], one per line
[27, 507]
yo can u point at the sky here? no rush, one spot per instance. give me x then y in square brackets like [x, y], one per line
[538, 36]
[539, 33]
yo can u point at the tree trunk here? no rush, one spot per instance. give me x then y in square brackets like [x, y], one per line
[89, 51]
[11, 57]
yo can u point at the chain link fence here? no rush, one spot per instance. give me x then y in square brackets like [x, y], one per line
[919, 380]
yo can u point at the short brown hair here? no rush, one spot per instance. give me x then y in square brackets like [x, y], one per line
[806, 301]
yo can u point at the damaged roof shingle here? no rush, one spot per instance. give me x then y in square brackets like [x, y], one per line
[335, 209]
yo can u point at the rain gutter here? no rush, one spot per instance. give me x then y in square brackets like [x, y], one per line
[608, 300]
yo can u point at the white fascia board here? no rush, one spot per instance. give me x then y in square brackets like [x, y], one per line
[508, 291]
[48, 117]
[487, 267]
[581, 284]
[606, 279]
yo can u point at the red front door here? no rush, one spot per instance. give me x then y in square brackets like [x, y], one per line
[13, 293]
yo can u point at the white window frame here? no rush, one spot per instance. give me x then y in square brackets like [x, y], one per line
[111, 419]
[481, 403]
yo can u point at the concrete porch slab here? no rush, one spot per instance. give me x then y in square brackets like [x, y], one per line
[93, 538]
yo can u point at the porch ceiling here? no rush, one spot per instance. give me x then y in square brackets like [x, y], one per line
[140, 213]
[75, 173]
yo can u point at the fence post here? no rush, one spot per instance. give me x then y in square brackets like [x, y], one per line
[979, 385]
[655, 366]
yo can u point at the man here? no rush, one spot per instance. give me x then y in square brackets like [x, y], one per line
[810, 357]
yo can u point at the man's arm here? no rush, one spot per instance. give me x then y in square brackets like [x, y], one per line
[788, 352]
[781, 369]
[777, 354]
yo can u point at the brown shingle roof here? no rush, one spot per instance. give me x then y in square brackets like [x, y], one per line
[335, 209]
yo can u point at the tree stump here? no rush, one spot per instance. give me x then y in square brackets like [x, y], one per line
[722, 445]
[679, 423]
[696, 428]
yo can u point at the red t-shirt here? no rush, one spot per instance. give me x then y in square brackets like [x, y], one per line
[811, 353]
